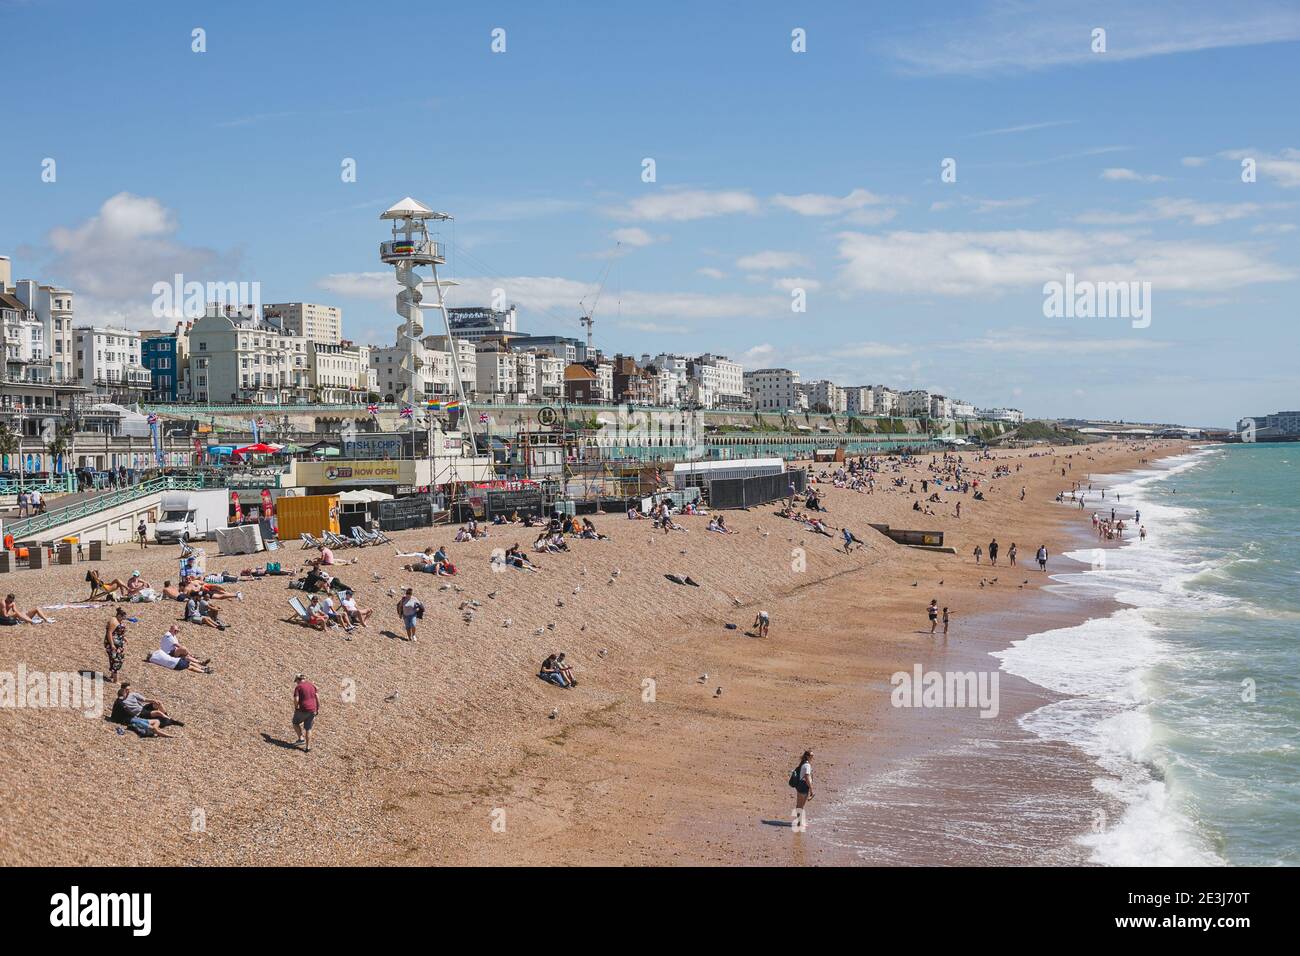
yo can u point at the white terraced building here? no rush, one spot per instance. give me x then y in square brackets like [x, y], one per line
[773, 389]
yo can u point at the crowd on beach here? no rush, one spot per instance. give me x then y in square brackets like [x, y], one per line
[943, 480]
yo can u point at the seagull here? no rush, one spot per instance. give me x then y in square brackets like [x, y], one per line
[376, 576]
[507, 622]
[493, 594]
[577, 589]
[704, 677]
[392, 696]
[540, 630]
[602, 652]
[555, 712]
[718, 692]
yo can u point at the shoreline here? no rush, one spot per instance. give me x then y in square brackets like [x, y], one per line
[689, 778]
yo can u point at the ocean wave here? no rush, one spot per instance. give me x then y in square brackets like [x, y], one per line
[1105, 667]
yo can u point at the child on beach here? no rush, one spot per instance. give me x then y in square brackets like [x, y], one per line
[761, 623]
[945, 622]
[978, 553]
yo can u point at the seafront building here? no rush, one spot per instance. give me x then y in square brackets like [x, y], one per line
[295, 353]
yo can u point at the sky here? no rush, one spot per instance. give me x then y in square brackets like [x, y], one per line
[799, 155]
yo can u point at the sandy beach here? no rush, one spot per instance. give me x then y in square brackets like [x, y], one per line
[445, 751]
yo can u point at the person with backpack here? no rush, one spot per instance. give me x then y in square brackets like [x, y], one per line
[801, 780]
[411, 610]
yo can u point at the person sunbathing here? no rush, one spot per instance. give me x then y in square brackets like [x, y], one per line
[171, 644]
[565, 669]
[463, 535]
[10, 614]
[199, 611]
[129, 706]
[110, 587]
[357, 614]
[517, 559]
[550, 673]
[325, 605]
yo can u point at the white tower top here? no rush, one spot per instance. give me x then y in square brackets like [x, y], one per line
[409, 208]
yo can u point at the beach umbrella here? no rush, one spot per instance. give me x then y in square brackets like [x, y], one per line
[260, 448]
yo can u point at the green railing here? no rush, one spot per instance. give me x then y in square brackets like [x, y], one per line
[26, 527]
[58, 483]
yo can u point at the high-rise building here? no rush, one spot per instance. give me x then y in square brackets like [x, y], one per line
[315, 323]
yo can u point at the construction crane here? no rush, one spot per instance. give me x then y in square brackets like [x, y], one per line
[587, 318]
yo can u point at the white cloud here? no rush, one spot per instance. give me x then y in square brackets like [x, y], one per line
[559, 297]
[710, 273]
[982, 206]
[789, 285]
[1034, 342]
[1282, 167]
[684, 205]
[1024, 128]
[870, 217]
[821, 204]
[1188, 210]
[632, 236]
[1274, 228]
[1001, 38]
[1194, 161]
[1120, 174]
[966, 263]
[112, 260]
[771, 259]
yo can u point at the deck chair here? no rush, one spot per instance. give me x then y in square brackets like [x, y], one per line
[378, 537]
[336, 541]
[97, 590]
[300, 615]
[309, 543]
[360, 538]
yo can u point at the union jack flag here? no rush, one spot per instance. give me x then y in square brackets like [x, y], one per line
[152, 419]
[261, 423]
[482, 418]
[372, 409]
[407, 411]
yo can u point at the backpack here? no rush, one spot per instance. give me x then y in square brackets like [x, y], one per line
[794, 778]
[419, 611]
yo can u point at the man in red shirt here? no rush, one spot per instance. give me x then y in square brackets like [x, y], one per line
[305, 706]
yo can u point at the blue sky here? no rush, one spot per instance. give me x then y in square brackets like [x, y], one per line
[774, 170]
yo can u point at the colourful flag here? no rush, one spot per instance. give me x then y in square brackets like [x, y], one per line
[407, 411]
[482, 418]
[372, 409]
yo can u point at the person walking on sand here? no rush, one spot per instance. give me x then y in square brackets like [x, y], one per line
[979, 552]
[933, 612]
[306, 704]
[410, 610]
[1011, 554]
[993, 553]
[803, 789]
[142, 532]
[1042, 557]
[761, 623]
[945, 622]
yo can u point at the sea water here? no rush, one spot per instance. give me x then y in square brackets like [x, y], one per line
[1187, 698]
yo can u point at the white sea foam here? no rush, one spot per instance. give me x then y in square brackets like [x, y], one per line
[1104, 666]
